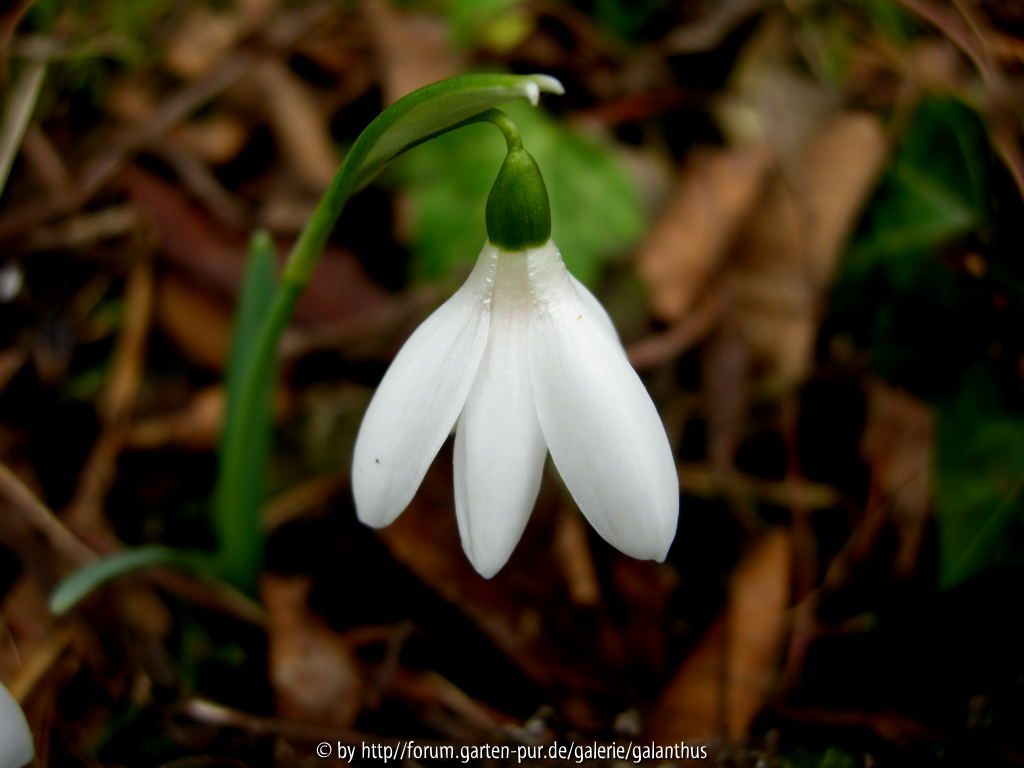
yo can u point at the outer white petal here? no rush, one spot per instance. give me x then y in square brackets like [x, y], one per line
[420, 397]
[16, 748]
[603, 431]
[597, 311]
[499, 448]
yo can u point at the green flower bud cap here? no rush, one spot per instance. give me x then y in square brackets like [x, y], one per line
[518, 212]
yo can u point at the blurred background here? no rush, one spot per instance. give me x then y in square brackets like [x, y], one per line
[806, 220]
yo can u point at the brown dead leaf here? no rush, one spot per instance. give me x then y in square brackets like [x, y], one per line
[194, 319]
[11, 361]
[770, 101]
[130, 99]
[85, 513]
[447, 706]
[122, 387]
[196, 426]
[86, 229]
[340, 294]
[714, 195]
[575, 559]
[709, 30]
[188, 237]
[415, 48]
[898, 445]
[789, 250]
[51, 650]
[315, 676]
[723, 684]
[32, 530]
[215, 138]
[201, 40]
[25, 618]
[298, 122]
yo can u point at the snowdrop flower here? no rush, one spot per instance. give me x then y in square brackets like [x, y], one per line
[521, 361]
[16, 749]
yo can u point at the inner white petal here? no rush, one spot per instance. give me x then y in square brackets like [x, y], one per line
[499, 448]
[420, 398]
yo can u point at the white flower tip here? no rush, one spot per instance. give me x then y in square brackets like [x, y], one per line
[488, 553]
[654, 546]
[371, 510]
[375, 506]
[16, 747]
[487, 568]
[542, 84]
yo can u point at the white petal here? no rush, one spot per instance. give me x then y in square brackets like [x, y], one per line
[419, 399]
[16, 748]
[499, 448]
[597, 311]
[603, 431]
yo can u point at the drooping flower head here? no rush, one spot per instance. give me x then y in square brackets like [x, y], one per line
[521, 361]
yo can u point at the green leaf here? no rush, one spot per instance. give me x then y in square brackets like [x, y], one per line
[934, 192]
[596, 212]
[979, 481]
[245, 442]
[891, 20]
[896, 293]
[90, 577]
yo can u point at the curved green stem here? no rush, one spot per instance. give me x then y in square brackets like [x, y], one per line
[503, 123]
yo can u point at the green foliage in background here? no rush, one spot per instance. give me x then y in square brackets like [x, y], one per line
[831, 31]
[627, 18]
[933, 193]
[896, 293]
[498, 25]
[979, 480]
[928, 324]
[596, 211]
[98, 38]
[128, 20]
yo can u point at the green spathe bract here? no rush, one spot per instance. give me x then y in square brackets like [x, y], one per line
[422, 115]
[518, 212]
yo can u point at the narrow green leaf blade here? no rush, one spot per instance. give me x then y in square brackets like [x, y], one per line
[245, 442]
[85, 580]
[254, 304]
